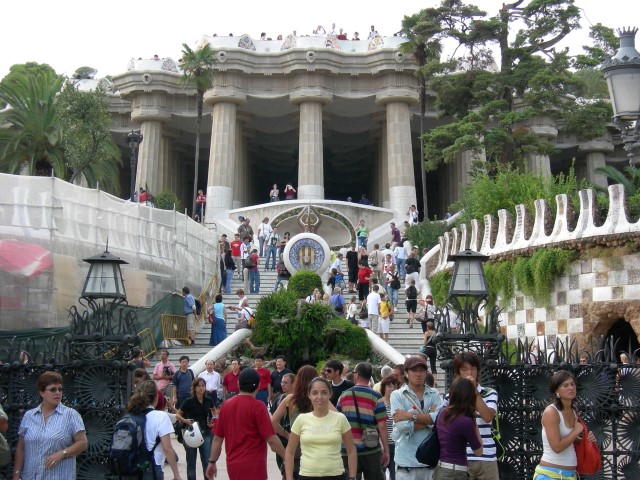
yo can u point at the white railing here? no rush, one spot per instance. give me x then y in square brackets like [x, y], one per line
[506, 235]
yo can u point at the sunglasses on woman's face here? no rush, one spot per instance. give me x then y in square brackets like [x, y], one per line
[54, 389]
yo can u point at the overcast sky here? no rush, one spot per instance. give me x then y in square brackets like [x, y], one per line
[68, 34]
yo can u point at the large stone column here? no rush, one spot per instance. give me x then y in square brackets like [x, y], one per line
[310, 160]
[543, 126]
[147, 175]
[596, 151]
[222, 157]
[402, 189]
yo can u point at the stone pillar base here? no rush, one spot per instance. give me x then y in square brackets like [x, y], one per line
[310, 192]
[401, 198]
[219, 199]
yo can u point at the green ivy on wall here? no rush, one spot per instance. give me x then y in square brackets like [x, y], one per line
[534, 276]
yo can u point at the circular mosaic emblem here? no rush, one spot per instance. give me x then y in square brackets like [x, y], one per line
[306, 251]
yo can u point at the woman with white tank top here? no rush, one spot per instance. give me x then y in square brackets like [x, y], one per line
[560, 430]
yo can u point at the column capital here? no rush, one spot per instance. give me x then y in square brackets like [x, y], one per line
[224, 94]
[318, 95]
[397, 94]
[150, 114]
[598, 145]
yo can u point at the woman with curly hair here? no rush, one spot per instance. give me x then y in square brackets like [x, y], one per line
[157, 429]
[456, 425]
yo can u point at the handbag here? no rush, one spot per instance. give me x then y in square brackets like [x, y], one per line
[370, 437]
[588, 454]
[428, 451]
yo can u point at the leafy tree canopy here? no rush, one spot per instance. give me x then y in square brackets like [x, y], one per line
[490, 102]
[90, 152]
[84, 73]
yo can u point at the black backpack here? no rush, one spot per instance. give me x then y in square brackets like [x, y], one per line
[128, 454]
[198, 306]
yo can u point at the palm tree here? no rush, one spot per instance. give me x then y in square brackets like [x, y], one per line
[426, 48]
[197, 70]
[629, 178]
[33, 141]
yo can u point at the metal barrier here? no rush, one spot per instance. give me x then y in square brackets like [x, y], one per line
[174, 327]
[147, 343]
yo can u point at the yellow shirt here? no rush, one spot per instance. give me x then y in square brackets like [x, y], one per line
[385, 309]
[320, 441]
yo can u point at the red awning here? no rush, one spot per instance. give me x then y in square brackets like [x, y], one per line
[23, 259]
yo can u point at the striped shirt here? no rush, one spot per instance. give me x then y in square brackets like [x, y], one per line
[372, 412]
[43, 439]
[490, 398]
[389, 424]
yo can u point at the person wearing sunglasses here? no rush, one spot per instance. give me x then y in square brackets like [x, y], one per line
[50, 435]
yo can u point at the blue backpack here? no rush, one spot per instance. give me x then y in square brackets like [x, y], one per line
[128, 454]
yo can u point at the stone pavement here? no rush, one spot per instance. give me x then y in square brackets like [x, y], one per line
[272, 468]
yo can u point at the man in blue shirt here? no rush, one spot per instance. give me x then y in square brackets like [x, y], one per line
[182, 380]
[189, 311]
[414, 408]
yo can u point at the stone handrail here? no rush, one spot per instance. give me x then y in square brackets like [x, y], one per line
[505, 235]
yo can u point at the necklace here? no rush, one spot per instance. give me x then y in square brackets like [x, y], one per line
[48, 415]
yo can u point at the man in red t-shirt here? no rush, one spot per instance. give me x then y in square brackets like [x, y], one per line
[244, 425]
[235, 253]
[230, 381]
[264, 389]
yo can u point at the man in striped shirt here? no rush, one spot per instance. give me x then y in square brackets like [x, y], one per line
[467, 365]
[371, 413]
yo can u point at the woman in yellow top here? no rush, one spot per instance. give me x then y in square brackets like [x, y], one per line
[320, 434]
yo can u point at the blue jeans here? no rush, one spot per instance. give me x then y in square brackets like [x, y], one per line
[271, 254]
[227, 281]
[279, 281]
[254, 281]
[261, 241]
[362, 242]
[159, 472]
[192, 456]
[400, 267]
[393, 295]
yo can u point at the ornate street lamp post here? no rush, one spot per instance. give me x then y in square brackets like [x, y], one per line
[468, 289]
[134, 139]
[622, 73]
[104, 279]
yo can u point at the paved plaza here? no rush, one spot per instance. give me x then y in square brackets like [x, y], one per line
[272, 468]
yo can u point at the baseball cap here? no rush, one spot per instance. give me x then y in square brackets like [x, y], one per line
[415, 361]
[249, 380]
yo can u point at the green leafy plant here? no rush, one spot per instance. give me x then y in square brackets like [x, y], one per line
[533, 276]
[303, 282]
[346, 339]
[426, 233]
[439, 284]
[505, 187]
[167, 200]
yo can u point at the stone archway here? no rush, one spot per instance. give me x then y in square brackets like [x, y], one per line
[599, 317]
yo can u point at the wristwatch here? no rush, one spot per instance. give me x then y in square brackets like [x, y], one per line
[414, 417]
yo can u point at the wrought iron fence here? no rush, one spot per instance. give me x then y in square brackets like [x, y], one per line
[520, 372]
[93, 361]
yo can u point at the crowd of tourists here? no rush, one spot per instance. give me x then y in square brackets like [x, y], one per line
[332, 424]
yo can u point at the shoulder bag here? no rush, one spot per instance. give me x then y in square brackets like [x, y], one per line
[428, 451]
[588, 453]
[370, 437]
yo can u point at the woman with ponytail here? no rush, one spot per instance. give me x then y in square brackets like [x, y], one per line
[158, 427]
